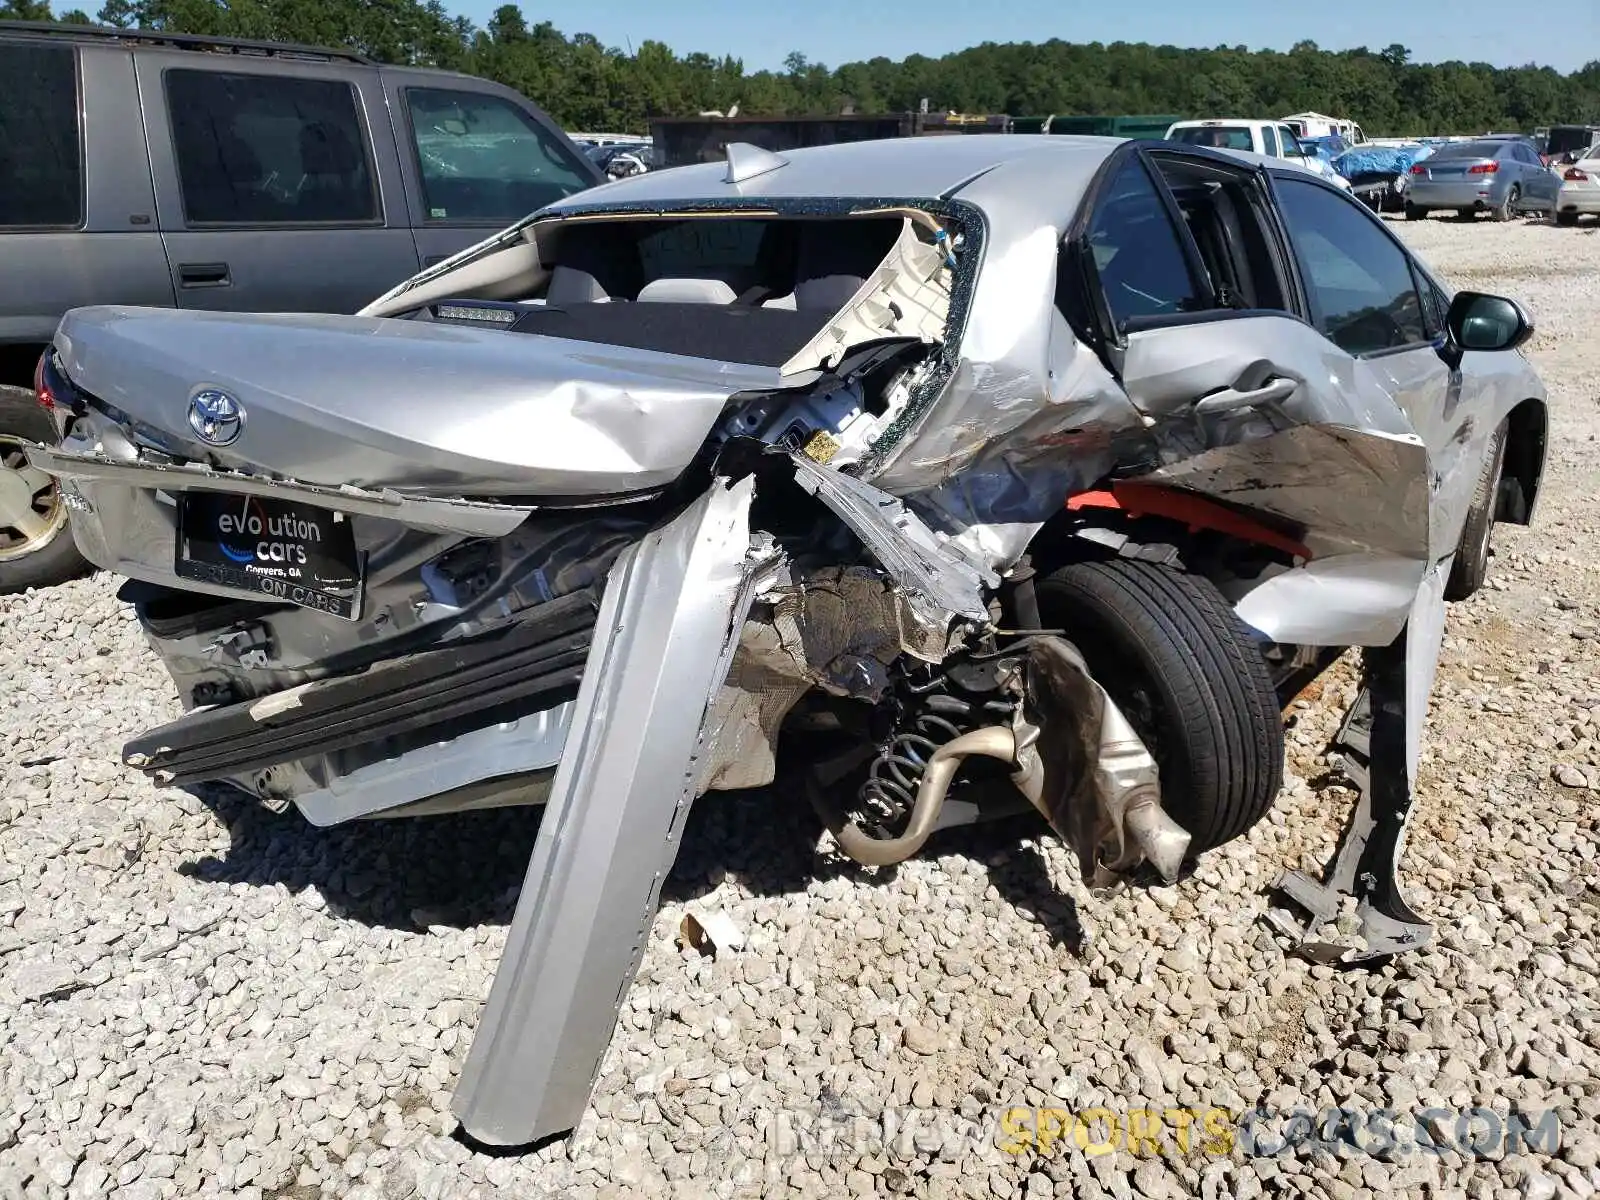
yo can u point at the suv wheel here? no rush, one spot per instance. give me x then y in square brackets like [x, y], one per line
[36, 547]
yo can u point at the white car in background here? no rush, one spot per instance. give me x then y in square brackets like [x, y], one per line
[1580, 188]
[1271, 138]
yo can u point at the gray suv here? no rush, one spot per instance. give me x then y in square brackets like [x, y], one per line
[193, 172]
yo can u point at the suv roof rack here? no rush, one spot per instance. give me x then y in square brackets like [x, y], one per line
[68, 31]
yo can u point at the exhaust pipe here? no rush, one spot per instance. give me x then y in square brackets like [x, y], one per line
[996, 741]
[1108, 798]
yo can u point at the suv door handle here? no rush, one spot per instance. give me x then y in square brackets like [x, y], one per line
[1231, 399]
[203, 274]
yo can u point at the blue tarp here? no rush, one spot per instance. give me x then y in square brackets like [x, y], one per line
[1380, 160]
[1326, 148]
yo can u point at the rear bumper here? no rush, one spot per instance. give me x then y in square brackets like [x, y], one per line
[535, 663]
[1427, 193]
[102, 485]
[1578, 200]
[417, 730]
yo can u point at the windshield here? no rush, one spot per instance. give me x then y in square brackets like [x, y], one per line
[1469, 150]
[1225, 137]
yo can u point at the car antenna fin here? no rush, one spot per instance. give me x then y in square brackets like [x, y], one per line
[746, 161]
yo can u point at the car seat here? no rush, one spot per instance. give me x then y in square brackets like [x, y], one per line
[833, 260]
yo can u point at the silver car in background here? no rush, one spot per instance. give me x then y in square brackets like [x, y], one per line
[1503, 176]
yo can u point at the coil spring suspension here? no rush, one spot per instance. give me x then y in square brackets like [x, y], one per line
[889, 792]
[890, 789]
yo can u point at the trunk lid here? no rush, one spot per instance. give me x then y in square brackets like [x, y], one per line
[408, 405]
[1452, 168]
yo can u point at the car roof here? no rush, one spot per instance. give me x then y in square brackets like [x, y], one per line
[154, 39]
[1017, 179]
[890, 168]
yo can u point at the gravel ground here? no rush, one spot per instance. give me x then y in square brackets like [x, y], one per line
[208, 998]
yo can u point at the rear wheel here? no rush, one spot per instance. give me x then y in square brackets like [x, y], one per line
[1566, 218]
[1186, 672]
[36, 547]
[1413, 213]
[1466, 214]
[1471, 564]
[1507, 208]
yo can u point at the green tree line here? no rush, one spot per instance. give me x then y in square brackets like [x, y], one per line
[587, 85]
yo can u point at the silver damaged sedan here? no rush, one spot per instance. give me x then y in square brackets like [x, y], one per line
[945, 477]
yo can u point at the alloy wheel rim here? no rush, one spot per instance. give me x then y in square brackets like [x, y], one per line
[31, 511]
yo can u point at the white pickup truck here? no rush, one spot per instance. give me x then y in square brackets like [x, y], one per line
[1271, 138]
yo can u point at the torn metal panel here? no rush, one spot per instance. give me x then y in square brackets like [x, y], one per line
[1362, 502]
[834, 628]
[1350, 490]
[1381, 744]
[521, 750]
[1082, 765]
[1342, 600]
[908, 295]
[1006, 458]
[445, 514]
[668, 626]
[940, 581]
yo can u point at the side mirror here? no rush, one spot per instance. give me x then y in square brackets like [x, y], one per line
[1480, 321]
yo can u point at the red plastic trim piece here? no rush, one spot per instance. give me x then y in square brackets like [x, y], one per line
[1196, 512]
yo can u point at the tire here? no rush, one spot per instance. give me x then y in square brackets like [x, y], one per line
[1413, 213]
[1471, 564]
[1466, 214]
[40, 552]
[1566, 218]
[1185, 671]
[1506, 210]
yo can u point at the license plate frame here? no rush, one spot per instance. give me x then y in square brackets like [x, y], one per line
[289, 552]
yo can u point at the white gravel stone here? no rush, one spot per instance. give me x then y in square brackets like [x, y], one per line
[206, 997]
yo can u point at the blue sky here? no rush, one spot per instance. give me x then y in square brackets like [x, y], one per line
[1560, 33]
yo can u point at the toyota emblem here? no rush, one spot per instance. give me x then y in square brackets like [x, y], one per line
[215, 416]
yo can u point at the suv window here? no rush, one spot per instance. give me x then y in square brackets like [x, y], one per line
[1224, 137]
[1137, 250]
[41, 165]
[483, 159]
[269, 150]
[1269, 141]
[1291, 145]
[1361, 287]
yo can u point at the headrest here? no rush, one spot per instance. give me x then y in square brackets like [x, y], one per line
[685, 290]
